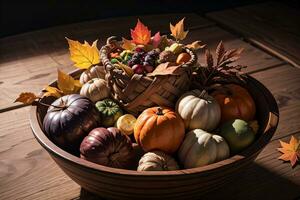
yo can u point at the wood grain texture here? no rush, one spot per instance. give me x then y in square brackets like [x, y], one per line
[30, 61]
[252, 57]
[272, 26]
[284, 83]
[26, 169]
[49, 181]
[267, 178]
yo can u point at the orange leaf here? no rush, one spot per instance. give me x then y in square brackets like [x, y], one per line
[128, 45]
[141, 34]
[166, 69]
[67, 83]
[26, 98]
[178, 30]
[52, 91]
[291, 151]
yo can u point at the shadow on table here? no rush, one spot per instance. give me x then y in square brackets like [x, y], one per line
[255, 182]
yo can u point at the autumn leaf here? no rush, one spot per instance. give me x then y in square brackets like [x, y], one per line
[66, 83]
[178, 30]
[26, 98]
[125, 68]
[128, 45]
[220, 51]
[291, 151]
[83, 55]
[156, 40]
[141, 34]
[52, 91]
[209, 58]
[166, 68]
[196, 45]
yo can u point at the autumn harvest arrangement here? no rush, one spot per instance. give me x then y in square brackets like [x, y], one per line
[146, 104]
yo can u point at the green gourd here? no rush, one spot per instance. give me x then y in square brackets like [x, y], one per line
[238, 134]
[110, 111]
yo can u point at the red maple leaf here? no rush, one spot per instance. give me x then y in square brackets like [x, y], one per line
[141, 34]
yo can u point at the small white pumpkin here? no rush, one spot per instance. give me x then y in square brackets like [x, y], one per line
[157, 161]
[199, 110]
[97, 71]
[95, 89]
[201, 148]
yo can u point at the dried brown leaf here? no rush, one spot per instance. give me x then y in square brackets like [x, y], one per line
[26, 98]
[220, 51]
[209, 58]
[166, 68]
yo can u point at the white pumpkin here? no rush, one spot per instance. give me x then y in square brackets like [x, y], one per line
[201, 148]
[95, 89]
[157, 161]
[199, 110]
[97, 71]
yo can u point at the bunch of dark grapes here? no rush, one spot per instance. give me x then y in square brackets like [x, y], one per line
[142, 61]
[151, 58]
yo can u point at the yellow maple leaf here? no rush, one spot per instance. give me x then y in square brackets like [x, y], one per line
[66, 83]
[26, 98]
[52, 91]
[178, 30]
[291, 150]
[83, 55]
[128, 45]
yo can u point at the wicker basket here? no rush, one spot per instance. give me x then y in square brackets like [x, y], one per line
[139, 92]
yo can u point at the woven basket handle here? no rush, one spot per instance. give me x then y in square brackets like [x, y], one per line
[113, 41]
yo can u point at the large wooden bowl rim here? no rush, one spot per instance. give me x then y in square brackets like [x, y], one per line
[260, 143]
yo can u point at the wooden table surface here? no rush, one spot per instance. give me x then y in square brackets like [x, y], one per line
[270, 34]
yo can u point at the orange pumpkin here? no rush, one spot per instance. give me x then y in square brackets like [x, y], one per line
[235, 102]
[159, 129]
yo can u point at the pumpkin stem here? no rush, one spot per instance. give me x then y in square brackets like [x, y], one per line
[202, 94]
[47, 105]
[159, 111]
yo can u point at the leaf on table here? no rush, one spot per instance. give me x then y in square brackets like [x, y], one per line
[26, 98]
[291, 151]
[178, 30]
[141, 34]
[83, 55]
[156, 40]
[66, 83]
[52, 91]
[128, 45]
[196, 45]
[166, 68]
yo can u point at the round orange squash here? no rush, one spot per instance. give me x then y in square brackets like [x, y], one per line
[235, 102]
[159, 129]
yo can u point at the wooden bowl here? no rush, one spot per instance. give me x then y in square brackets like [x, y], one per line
[111, 183]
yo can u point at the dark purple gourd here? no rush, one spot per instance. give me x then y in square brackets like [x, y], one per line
[69, 119]
[107, 147]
